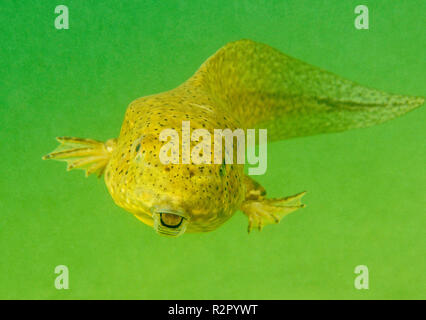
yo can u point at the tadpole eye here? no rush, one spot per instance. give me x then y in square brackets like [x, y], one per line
[170, 220]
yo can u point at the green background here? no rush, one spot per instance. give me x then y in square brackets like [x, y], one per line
[366, 188]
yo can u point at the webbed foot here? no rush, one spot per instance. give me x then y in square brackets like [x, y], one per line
[261, 212]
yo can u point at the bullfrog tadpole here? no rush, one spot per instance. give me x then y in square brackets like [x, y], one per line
[244, 85]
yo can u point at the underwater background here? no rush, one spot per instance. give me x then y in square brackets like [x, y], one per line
[366, 188]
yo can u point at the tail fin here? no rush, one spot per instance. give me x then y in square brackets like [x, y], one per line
[289, 97]
[86, 154]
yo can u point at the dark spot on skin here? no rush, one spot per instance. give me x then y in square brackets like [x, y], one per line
[222, 169]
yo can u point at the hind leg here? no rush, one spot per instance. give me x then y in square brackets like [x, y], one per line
[261, 211]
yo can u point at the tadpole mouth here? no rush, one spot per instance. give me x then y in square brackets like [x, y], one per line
[170, 220]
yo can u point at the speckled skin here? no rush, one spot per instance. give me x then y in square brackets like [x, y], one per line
[138, 181]
[244, 85]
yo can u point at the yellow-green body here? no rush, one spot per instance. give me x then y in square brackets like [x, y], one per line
[138, 181]
[244, 85]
